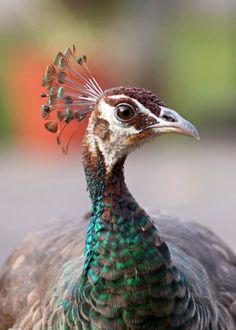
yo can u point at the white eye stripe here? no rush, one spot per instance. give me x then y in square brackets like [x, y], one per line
[120, 96]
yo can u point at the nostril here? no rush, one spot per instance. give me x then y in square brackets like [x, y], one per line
[168, 118]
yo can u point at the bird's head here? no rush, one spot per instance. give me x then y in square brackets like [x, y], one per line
[126, 117]
[121, 118]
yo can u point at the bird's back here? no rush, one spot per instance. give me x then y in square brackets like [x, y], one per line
[207, 263]
[47, 261]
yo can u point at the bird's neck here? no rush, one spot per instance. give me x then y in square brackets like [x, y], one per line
[105, 186]
[112, 203]
[128, 276]
[117, 221]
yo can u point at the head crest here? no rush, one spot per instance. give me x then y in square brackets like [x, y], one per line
[72, 92]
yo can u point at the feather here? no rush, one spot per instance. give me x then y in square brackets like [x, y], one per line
[72, 93]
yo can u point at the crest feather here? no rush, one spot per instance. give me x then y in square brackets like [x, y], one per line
[72, 92]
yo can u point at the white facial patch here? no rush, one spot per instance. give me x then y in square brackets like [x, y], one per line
[108, 113]
[115, 148]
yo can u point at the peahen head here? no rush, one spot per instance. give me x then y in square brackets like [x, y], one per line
[126, 117]
[121, 118]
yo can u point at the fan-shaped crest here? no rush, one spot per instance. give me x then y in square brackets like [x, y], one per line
[72, 92]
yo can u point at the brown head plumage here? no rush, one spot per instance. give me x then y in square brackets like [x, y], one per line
[122, 117]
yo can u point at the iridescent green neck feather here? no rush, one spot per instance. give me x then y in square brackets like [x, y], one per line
[128, 279]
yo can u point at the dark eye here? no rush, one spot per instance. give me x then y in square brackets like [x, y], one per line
[124, 112]
[168, 118]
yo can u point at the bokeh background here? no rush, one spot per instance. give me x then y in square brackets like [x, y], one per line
[185, 51]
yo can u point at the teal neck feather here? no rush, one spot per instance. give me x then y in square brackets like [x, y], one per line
[118, 224]
[128, 280]
[128, 277]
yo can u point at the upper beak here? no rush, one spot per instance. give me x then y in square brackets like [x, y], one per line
[170, 121]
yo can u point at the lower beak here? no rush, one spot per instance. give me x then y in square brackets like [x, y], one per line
[170, 121]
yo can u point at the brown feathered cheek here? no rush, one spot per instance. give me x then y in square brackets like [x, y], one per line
[141, 123]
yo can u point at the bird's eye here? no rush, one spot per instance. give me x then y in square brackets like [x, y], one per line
[124, 112]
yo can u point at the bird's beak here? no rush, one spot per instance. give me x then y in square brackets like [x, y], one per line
[169, 121]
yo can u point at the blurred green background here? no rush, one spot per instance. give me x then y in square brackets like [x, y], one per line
[185, 51]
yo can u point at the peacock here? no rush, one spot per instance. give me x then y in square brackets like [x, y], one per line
[118, 268]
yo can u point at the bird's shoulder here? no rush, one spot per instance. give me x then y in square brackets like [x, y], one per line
[29, 274]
